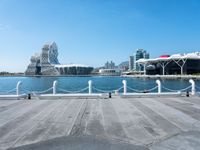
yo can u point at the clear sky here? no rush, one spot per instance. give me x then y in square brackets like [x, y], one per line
[94, 31]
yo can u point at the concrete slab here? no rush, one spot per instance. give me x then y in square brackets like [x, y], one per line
[117, 123]
[183, 141]
[80, 143]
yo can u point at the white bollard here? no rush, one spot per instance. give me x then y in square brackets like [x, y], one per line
[18, 87]
[90, 86]
[125, 86]
[159, 86]
[193, 86]
[54, 87]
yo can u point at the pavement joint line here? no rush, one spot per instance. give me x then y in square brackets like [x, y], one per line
[176, 105]
[95, 106]
[144, 115]
[12, 118]
[85, 131]
[126, 132]
[54, 122]
[103, 118]
[34, 126]
[70, 129]
[148, 119]
[166, 138]
[174, 123]
[163, 117]
[25, 122]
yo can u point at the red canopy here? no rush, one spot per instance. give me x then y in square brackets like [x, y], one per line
[164, 56]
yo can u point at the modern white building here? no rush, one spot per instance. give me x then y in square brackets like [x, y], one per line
[109, 72]
[46, 63]
[175, 64]
[74, 69]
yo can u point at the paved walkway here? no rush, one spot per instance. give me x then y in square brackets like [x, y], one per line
[134, 123]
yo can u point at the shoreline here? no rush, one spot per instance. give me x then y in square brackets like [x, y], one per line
[89, 75]
[172, 77]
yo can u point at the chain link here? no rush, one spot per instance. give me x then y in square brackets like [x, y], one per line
[66, 91]
[142, 91]
[171, 90]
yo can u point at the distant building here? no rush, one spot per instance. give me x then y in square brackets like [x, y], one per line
[171, 65]
[46, 63]
[109, 69]
[43, 63]
[74, 69]
[109, 72]
[124, 66]
[109, 65]
[139, 54]
[131, 62]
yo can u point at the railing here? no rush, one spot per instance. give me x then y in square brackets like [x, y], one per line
[90, 89]
[15, 90]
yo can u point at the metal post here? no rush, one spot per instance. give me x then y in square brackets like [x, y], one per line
[18, 87]
[181, 70]
[90, 86]
[54, 87]
[193, 86]
[163, 69]
[159, 86]
[125, 86]
[144, 68]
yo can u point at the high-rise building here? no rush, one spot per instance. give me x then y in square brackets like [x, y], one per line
[140, 53]
[106, 66]
[131, 62]
[110, 65]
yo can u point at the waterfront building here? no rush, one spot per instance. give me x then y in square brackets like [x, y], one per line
[109, 72]
[48, 59]
[171, 65]
[74, 69]
[109, 69]
[43, 63]
[131, 63]
[46, 63]
[139, 54]
[109, 65]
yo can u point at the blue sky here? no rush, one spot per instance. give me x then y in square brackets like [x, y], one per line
[94, 31]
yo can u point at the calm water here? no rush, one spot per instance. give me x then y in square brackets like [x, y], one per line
[78, 83]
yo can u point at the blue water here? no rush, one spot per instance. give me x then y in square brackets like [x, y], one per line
[78, 83]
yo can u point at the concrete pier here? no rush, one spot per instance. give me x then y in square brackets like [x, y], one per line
[109, 124]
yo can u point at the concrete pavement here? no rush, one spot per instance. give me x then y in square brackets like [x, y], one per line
[116, 123]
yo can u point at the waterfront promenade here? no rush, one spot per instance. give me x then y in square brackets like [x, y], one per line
[116, 123]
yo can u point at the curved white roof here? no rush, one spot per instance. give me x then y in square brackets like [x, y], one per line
[71, 65]
[195, 55]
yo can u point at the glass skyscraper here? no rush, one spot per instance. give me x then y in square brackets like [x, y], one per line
[139, 54]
